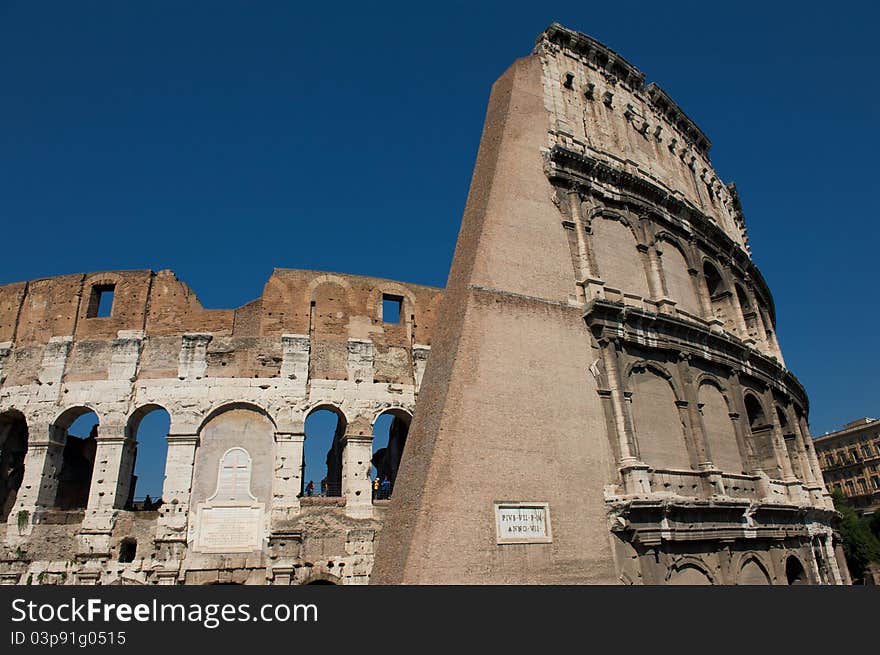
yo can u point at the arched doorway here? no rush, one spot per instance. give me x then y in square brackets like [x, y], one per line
[13, 448]
[148, 427]
[752, 573]
[390, 431]
[322, 452]
[77, 429]
[794, 571]
[689, 575]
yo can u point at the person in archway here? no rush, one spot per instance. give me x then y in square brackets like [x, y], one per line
[148, 503]
[310, 488]
[385, 488]
[324, 487]
[376, 488]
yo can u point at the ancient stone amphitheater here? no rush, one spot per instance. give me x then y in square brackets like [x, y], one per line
[606, 400]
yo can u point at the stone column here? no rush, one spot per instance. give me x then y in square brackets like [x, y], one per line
[357, 450]
[657, 281]
[589, 277]
[813, 461]
[574, 204]
[632, 469]
[111, 475]
[39, 484]
[754, 465]
[287, 482]
[698, 428]
[794, 486]
[177, 487]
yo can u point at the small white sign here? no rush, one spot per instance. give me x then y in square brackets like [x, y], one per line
[522, 523]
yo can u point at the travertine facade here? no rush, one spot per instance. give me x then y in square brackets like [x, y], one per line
[606, 400]
[605, 380]
[238, 386]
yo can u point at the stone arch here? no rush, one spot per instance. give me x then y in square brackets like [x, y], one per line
[752, 571]
[790, 437]
[226, 406]
[719, 294]
[614, 244]
[321, 578]
[676, 268]
[761, 430]
[754, 410]
[76, 463]
[320, 434]
[689, 571]
[13, 449]
[387, 453]
[795, 573]
[656, 419]
[146, 470]
[718, 426]
[235, 425]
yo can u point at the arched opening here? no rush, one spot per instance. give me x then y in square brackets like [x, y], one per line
[752, 573]
[127, 550]
[389, 439]
[148, 427]
[762, 436]
[322, 452]
[321, 581]
[235, 461]
[719, 431]
[619, 262]
[755, 412]
[718, 295]
[783, 419]
[689, 575]
[748, 313]
[679, 283]
[657, 421]
[77, 429]
[13, 448]
[794, 571]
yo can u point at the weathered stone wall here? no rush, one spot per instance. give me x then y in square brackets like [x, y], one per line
[606, 347]
[229, 379]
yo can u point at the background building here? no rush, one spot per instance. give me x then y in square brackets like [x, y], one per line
[850, 461]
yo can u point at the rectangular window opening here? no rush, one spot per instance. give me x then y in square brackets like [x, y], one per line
[392, 308]
[101, 301]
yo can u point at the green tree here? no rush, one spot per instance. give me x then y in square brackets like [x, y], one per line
[860, 544]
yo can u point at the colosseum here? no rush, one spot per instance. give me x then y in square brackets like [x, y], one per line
[605, 399]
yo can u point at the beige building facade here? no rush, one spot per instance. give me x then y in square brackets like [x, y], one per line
[605, 399]
[850, 462]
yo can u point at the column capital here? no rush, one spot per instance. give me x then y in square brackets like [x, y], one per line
[183, 439]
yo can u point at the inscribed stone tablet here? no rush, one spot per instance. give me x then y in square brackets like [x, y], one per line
[229, 529]
[522, 523]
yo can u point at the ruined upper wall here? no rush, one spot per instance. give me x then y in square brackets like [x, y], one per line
[600, 107]
[162, 312]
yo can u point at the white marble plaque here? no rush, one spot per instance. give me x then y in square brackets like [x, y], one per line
[522, 523]
[231, 521]
[229, 528]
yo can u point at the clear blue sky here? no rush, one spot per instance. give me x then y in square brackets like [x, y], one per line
[222, 139]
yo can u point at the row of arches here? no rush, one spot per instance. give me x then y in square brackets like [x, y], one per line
[74, 437]
[627, 258]
[752, 571]
[679, 429]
